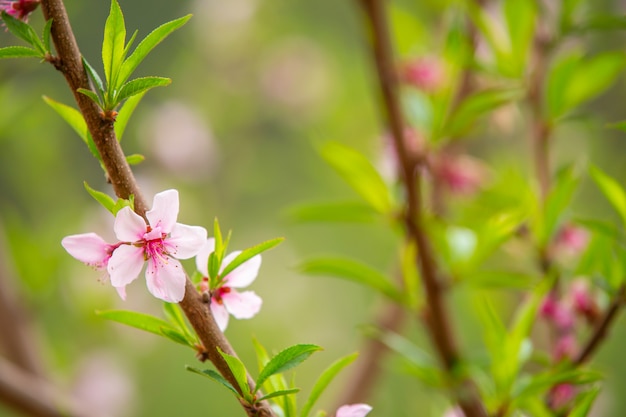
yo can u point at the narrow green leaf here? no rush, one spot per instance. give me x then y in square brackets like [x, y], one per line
[279, 393]
[520, 18]
[23, 31]
[93, 96]
[130, 43]
[126, 111]
[140, 321]
[285, 360]
[178, 337]
[94, 76]
[173, 313]
[104, 199]
[584, 403]
[611, 189]
[138, 86]
[274, 382]
[76, 121]
[250, 253]
[558, 201]
[211, 374]
[18, 52]
[359, 173]
[146, 45]
[350, 212]
[324, 380]
[239, 372]
[135, 159]
[46, 36]
[113, 46]
[352, 271]
[559, 76]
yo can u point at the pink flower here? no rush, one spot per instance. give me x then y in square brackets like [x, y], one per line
[225, 299]
[354, 410]
[566, 348]
[460, 174]
[423, 73]
[571, 240]
[560, 395]
[19, 9]
[160, 243]
[454, 412]
[583, 301]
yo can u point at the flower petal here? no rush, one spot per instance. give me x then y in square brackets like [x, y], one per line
[121, 291]
[88, 248]
[245, 273]
[166, 279]
[219, 314]
[125, 265]
[202, 258]
[354, 410]
[242, 305]
[129, 226]
[185, 241]
[164, 210]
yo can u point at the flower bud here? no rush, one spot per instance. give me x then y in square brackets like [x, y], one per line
[20, 9]
[560, 395]
[583, 301]
[565, 348]
[426, 74]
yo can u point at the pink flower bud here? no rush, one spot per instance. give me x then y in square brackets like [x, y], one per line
[19, 9]
[426, 74]
[571, 240]
[560, 395]
[565, 348]
[461, 174]
[583, 301]
[548, 307]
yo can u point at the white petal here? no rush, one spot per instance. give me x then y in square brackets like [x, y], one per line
[354, 410]
[121, 291]
[245, 273]
[125, 265]
[202, 258]
[164, 210]
[244, 305]
[166, 279]
[88, 248]
[185, 241]
[129, 226]
[219, 314]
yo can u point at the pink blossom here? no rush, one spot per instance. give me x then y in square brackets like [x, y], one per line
[460, 174]
[225, 300]
[454, 412]
[353, 410]
[424, 73]
[582, 300]
[19, 9]
[566, 347]
[160, 243]
[560, 395]
[572, 239]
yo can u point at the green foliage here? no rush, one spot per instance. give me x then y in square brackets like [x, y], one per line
[352, 271]
[214, 376]
[557, 201]
[249, 253]
[25, 32]
[612, 190]
[107, 202]
[18, 52]
[238, 370]
[285, 360]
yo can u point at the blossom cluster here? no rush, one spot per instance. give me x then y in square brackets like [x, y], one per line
[161, 242]
[19, 9]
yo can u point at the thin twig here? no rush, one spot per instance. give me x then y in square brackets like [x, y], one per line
[124, 184]
[436, 315]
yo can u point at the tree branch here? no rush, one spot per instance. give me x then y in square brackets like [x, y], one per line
[436, 316]
[69, 62]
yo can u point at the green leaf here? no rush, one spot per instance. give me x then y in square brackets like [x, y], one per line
[324, 380]
[559, 199]
[360, 174]
[285, 360]
[178, 337]
[146, 45]
[584, 403]
[93, 96]
[334, 212]
[23, 31]
[18, 52]
[520, 18]
[239, 372]
[352, 271]
[113, 46]
[211, 374]
[135, 159]
[93, 74]
[250, 253]
[611, 189]
[140, 321]
[104, 199]
[274, 382]
[47, 29]
[139, 85]
[279, 393]
[76, 121]
[126, 111]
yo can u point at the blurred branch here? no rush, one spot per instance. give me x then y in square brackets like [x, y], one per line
[33, 396]
[435, 315]
[124, 184]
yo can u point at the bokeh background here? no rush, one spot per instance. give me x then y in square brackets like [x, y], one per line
[257, 85]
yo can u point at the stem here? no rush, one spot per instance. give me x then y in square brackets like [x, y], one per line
[124, 184]
[436, 316]
[601, 329]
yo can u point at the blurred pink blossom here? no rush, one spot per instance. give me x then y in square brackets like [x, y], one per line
[19, 9]
[225, 299]
[460, 174]
[582, 299]
[560, 395]
[454, 412]
[566, 347]
[353, 410]
[571, 240]
[424, 73]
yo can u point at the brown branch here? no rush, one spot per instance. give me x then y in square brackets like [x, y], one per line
[436, 316]
[68, 61]
[35, 397]
[601, 329]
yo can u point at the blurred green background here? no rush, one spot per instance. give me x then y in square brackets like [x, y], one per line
[256, 84]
